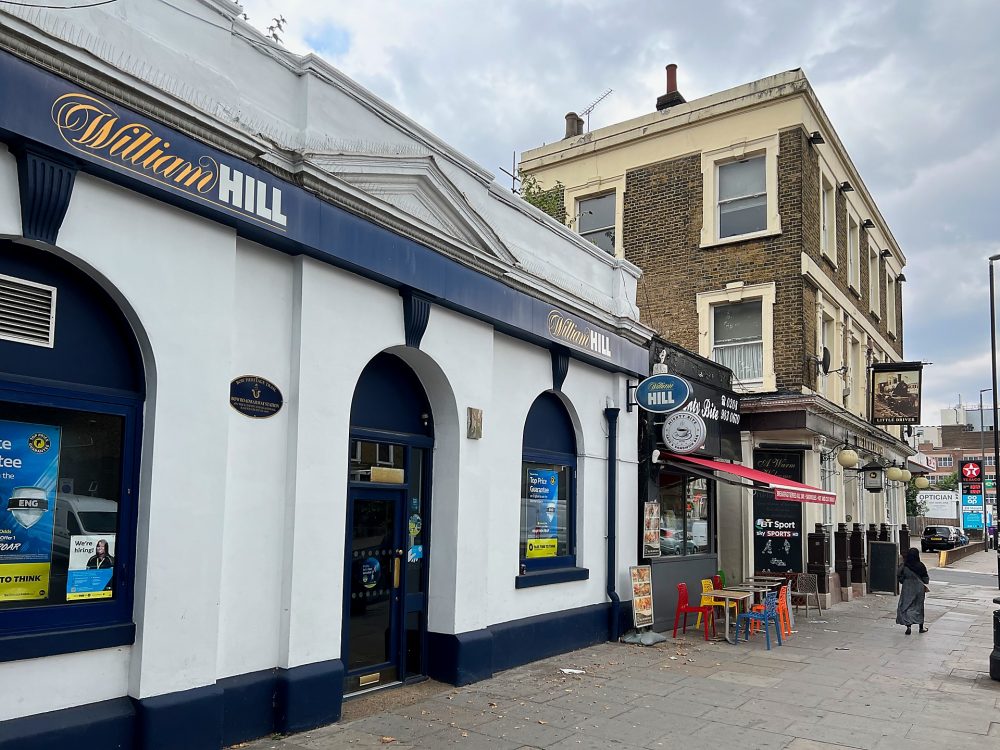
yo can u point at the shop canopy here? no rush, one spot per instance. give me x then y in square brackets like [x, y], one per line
[784, 489]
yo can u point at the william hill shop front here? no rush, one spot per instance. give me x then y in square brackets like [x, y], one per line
[281, 425]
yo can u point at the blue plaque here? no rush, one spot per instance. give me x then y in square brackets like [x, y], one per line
[255, 397]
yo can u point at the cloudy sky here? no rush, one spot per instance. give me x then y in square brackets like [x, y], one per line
[910, 86]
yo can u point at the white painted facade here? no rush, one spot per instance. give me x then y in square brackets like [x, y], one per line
[241, 527]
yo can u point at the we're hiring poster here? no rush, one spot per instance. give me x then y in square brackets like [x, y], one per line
[29, 472]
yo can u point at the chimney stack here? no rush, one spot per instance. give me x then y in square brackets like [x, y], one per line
[574, 125]
[673, 96]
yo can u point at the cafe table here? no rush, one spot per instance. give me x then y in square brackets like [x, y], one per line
[753, 588]
[731, 595]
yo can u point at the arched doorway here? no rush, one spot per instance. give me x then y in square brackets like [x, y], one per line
[388, 527]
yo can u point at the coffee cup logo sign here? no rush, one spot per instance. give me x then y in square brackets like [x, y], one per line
[684, 432]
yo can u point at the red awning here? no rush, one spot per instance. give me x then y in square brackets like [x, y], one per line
[784, 489]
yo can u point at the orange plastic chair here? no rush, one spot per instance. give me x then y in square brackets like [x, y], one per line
[783, 619]
[707, 600]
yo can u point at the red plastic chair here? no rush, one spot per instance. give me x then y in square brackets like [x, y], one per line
[684, 608]
[716, 582]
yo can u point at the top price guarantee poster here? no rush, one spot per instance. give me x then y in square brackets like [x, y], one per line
[29, 473]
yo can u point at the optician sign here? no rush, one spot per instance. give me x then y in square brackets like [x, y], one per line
[939, 504]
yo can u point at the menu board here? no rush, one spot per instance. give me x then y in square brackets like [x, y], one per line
[642, 595]
[651, 530]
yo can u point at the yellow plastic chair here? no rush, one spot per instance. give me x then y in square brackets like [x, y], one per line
[707, 600]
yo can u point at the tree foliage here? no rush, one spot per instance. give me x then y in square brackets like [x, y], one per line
[914, 506]
[549, 200]
[950, 482]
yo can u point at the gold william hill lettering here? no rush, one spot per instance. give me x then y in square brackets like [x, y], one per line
[89, 125]
[563, 327]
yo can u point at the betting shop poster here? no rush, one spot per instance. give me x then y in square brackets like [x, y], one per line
[29, 472]
[543, 495]
[91, 566]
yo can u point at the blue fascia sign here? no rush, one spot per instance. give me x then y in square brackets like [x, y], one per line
[662, 393]
[122, 146]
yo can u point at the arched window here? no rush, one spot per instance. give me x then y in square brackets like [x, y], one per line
[71, 392]
[548, 487]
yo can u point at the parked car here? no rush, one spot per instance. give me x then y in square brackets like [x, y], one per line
[962, 538]
[939, 537]
[671, 542]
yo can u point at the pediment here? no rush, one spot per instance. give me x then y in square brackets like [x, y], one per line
[416, 186]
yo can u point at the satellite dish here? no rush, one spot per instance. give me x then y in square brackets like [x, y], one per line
[825, 361]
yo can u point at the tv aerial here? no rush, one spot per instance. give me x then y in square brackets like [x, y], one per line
[593, 106]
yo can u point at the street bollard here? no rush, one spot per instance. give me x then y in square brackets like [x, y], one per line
[995, 656]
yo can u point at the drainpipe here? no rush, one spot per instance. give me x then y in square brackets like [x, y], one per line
[611, 414]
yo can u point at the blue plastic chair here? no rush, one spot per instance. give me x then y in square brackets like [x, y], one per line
[769, 614]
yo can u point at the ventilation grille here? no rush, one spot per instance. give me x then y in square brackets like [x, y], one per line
[27, 312]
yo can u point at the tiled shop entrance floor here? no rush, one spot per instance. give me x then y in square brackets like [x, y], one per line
[848, 679]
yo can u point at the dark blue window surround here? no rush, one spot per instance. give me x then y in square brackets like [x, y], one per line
[95, 369]
[550, 440]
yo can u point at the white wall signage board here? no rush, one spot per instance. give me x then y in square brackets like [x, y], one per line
[940, 504]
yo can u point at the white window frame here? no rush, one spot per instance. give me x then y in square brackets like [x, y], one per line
[854, 253]
[858, 382]
[734, 293]
[874, 285]
[828, 218]
[890, 302]
[945, 462]
[828, 322]
[595, 189]
[710, 163]
[578, 211]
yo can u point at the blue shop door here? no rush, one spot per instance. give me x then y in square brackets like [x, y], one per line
[374, 588]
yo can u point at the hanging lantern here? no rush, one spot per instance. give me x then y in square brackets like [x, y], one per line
[907, 476]
[848, 458]
[894, 474]
[921, 483]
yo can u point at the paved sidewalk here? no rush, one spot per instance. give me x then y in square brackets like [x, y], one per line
[847, 679]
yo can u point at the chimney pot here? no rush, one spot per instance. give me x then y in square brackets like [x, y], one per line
[671, 78]
[672, 96]
[574, 125]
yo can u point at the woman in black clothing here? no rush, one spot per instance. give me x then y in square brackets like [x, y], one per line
[913, 576]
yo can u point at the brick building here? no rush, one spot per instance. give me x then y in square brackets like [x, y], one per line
[762, 249]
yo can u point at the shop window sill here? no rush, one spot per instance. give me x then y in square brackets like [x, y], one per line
[547, 577]
[20, 646]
